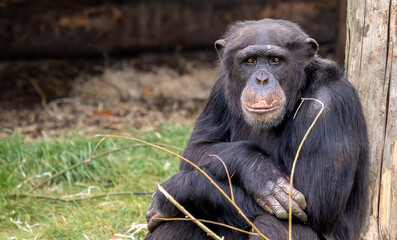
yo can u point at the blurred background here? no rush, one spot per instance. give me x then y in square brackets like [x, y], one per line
[94, 64]
[144, 68]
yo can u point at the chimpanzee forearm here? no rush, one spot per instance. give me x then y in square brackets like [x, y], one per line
[251, 169]
[245, 161]
[194, 191]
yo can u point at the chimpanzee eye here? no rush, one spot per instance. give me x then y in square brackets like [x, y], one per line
[250, 60]
[275, 60]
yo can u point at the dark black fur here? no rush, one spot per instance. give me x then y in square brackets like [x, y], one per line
[331, 171]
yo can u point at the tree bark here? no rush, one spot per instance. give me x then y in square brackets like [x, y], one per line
[371, 58]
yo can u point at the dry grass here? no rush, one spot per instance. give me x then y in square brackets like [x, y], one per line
[119, 99]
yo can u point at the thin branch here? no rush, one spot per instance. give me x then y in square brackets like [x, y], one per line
[299, 107]
[97, 145]
[81, 163]
[227, 173]
[199, 169]
[42, 209]
[76, 199]
[34, 196]
[110, 194]
[210, 222]
[184, 211]
[296, 159]
[39, 91]
[93, 158]
[170, 146]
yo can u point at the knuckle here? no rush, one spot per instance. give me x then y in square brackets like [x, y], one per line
[302, 217]
[297, 211]
[279, 210]
[153, 195]
[263, 202]
[286, 205]
[300, 199]
[282, 182]
[278, 191]
[149, 215]
[281, 214]
[262, 196]
[298, 196]
[268, 209]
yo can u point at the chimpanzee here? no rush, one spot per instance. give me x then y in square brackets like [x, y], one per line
[266, 67]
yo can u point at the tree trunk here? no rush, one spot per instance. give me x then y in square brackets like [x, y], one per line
[371, 64]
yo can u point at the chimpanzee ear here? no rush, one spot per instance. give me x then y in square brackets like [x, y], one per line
[312, 47]
[219, 45]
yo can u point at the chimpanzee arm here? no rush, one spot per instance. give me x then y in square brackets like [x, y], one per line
[333, 156]
[251, 167]
[194, 191]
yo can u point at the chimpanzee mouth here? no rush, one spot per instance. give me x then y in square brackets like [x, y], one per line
[264, 117]
[260, 110]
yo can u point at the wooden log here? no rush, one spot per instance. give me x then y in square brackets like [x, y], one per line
[388, 188]
[371, 65]
[92, 27]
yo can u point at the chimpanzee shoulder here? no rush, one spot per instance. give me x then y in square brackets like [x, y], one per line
[324, 71]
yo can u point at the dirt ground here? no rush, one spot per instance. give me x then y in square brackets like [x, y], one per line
[47, 97]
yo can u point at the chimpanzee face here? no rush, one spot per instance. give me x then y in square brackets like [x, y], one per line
[265, 68]
[262, 100]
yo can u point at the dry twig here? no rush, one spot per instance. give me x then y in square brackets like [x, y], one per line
[76, 199]
[184, 211]
[227, 173]
[296, 159]
[210, 222]
[93, 158]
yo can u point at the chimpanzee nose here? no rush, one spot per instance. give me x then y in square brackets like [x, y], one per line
[262, 79]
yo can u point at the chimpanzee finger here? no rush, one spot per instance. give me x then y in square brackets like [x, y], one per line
[275, 206]
[265, 206]
[297, 212]
[150, 206]
[154, 194]
[153, 222]
[149, 214]
[296, 195]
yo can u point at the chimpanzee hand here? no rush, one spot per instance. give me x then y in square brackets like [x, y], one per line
[274, 199]
[160, 207]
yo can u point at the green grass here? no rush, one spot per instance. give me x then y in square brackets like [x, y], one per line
[23, 164]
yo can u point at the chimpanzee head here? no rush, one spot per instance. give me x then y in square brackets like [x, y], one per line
[263, 63]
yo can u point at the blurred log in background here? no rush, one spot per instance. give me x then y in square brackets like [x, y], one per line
[69, 63]
[66, 28]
